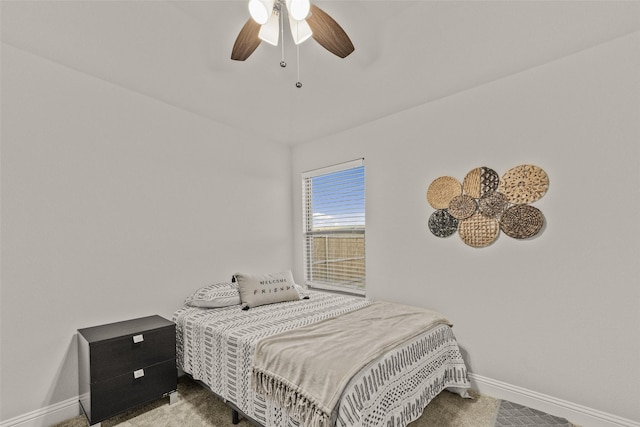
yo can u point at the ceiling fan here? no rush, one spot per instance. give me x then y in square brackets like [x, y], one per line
[305, 20]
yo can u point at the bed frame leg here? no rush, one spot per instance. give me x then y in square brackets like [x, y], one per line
[235, 417]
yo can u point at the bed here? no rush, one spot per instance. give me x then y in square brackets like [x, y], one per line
[219, 345]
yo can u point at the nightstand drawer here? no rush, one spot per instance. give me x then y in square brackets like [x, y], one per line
[128, 353]
[123, 392]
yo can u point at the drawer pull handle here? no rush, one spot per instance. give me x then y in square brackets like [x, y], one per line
[138, 338]
[138, 374]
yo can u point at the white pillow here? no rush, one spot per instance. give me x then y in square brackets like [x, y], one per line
[261, 289]
[215, 296]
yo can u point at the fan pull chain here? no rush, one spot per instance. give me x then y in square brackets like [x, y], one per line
[298, 83]
[282, 61]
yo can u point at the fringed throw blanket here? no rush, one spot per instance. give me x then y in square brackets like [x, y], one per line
[305, 370]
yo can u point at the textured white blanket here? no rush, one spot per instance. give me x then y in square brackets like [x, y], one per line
[305, 370]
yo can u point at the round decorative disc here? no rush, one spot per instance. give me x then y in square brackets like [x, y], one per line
[478, 230]
[442, 190]
[524, 184]
[462, 206]
[493, 204]
[442, 224]
[522, 221]
[480, 181]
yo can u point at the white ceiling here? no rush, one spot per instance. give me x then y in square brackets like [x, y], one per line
[407, 53]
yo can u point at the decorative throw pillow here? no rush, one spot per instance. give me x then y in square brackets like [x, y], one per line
[303, 292]
[215, 296]
[261, 289]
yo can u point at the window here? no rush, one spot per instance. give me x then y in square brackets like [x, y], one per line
[334, 225]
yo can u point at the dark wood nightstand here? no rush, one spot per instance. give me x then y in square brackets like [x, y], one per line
[125, 364]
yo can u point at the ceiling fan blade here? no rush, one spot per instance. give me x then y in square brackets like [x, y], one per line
[247, 41]
[328, 33]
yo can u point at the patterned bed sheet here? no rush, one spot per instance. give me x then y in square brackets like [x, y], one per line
[216, 346]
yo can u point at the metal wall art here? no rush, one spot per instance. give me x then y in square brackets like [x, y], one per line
[483, 204]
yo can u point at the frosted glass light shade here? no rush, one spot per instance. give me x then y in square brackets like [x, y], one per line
[298, 9]
[261, 10]
[300, 30]
[270, 31]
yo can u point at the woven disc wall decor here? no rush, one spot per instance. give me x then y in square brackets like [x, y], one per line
[442, 190]
[522, 221]
[462, 206]
[480, 181]
[478, 230]
[524, 184]
[493, 205]
[442, 224]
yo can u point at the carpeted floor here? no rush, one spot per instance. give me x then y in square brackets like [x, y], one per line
[196, 407]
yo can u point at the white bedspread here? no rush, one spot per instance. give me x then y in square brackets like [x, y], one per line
[217, 346]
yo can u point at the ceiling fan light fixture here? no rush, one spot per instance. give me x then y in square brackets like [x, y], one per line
[270, 32]
[300, 30]
[298, 9]
[260, 10]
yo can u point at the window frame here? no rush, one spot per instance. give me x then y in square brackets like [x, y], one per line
[348, 232]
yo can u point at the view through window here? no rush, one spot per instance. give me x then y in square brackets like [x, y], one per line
[334, 227]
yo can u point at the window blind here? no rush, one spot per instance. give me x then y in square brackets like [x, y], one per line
[334, 227]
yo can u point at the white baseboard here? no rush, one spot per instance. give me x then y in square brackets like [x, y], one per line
[46, 416]
[577, 414]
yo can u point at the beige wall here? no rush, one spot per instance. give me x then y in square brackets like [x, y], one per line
[116, 206]
[559, 314]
